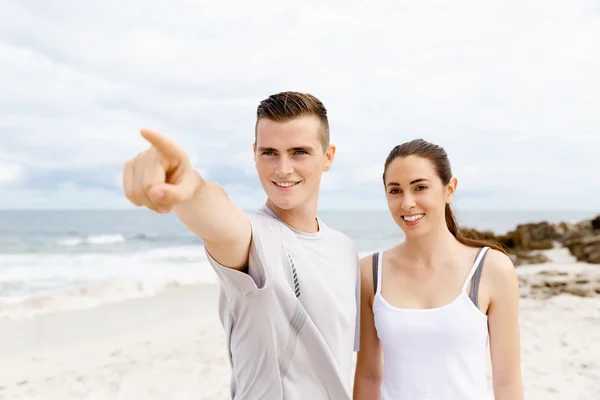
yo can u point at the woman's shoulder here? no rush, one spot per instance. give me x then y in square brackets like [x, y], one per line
[366, 265]
[498, 268]
[498, 261]
[390, 254]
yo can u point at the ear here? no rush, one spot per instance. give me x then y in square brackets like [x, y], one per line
[254, 151]
[329, 157]
[451, 189]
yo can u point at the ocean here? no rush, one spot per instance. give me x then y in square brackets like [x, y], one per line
[63, 260]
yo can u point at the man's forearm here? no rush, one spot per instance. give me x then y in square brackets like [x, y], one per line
[211, 214]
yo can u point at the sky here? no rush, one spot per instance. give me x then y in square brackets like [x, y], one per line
[509, 89]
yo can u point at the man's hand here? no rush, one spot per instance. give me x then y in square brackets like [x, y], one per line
[163, 180]
[160, 177]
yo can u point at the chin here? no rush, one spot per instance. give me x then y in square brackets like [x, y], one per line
[283, 205]
[290, 202]
[415, 233]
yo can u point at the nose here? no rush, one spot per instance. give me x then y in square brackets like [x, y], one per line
[408, 202]
[284, 166]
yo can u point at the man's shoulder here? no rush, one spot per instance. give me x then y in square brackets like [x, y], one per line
[339, 237]
[261, 220]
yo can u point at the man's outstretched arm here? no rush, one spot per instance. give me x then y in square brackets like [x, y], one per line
[162, 179]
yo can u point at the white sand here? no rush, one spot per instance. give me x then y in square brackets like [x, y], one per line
[172, 347]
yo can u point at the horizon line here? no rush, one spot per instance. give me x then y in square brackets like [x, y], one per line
[586, 210]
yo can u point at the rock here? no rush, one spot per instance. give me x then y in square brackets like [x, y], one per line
[513, 243]
[546, 244]
[528, 236]
[580, 291]
[546, 284]
[584, 246]
[564, 228]
[553, 273]
[535, 236]
[555, 284]
[596, 223]
[570, 231]
[582, 239]
[584, 226]
[525, 257]
[573, 237]
[593, 257]
[505, 241]
[590, 240]
[478, 235]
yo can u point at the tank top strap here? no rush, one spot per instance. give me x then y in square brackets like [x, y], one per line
[374, 262]
[377, 257]
[476, 265]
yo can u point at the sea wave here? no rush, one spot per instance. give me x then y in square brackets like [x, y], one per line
[100, 241]
[37, 284]
[93, 239]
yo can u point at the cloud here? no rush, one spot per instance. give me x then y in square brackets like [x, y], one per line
[509, 89]
[9, 172]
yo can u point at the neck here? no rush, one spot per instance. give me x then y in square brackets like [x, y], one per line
[427, 248]
[303, 218]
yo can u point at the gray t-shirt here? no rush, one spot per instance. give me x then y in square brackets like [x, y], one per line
[292, 321]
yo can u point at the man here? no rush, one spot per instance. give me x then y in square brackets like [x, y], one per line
[289, 283]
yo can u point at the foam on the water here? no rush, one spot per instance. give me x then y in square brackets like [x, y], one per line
[54, 261]
[93, 239]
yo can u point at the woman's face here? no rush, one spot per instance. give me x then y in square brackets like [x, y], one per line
[416, 195]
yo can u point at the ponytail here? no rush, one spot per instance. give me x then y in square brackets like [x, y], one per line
[458, 234]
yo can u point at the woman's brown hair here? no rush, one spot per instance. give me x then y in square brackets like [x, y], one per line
[439, 158]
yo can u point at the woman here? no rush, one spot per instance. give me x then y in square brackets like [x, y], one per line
[430, 304]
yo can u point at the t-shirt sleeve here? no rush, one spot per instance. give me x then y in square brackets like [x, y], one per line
[357, 298]
[255, 278]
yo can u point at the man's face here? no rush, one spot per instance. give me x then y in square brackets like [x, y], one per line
[290, 160]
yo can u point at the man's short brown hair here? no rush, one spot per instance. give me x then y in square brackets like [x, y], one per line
[286, 106]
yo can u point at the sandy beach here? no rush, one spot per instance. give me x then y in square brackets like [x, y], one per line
[171, 346]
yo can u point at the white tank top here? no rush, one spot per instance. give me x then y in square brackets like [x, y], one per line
[434, 354]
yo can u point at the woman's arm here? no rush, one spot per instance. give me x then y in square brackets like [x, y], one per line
[369, 365]
[503, 322]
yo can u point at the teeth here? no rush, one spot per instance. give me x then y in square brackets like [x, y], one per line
[285, 184]
[413, 218]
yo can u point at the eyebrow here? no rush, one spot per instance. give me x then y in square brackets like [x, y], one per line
[411, 182]
[307, 149]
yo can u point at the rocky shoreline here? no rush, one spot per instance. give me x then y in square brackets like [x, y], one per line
[548, 283]
[530, 244]
[524, 242]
